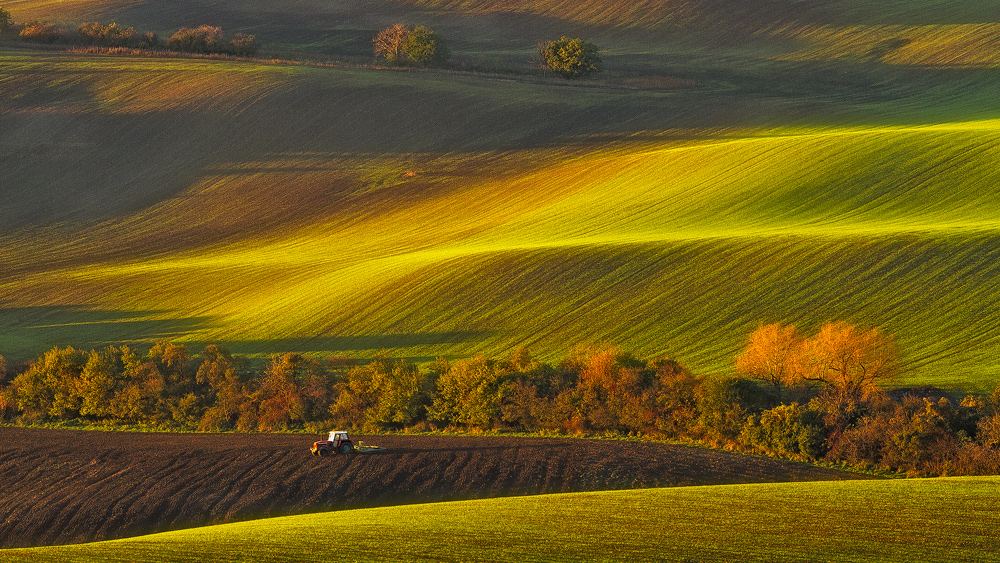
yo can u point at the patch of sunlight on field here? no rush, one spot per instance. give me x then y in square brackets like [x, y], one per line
[660, 248]
[678, 242]
[959, 45]
[138, 84]
[933, 520]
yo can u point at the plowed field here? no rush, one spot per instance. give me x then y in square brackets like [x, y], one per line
[64, 486]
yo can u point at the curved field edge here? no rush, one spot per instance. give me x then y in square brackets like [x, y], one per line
[951, 519]
[110, 485]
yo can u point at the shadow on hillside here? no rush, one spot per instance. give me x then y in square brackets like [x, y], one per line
[326, 344]
[27, 332]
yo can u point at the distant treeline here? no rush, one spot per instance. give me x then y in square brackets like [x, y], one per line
[201, 39]
[834, 412]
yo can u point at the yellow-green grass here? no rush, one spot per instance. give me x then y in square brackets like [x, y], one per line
[948, 519]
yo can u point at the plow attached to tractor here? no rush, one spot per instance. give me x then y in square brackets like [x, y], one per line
[340, 443]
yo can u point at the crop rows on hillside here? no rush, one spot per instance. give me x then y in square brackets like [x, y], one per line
[940, 520]
[66, 486]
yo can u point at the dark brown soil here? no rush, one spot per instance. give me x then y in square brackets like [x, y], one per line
[66, 486]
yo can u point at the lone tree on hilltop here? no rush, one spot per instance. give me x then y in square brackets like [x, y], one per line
[572, 58]
[401, 45]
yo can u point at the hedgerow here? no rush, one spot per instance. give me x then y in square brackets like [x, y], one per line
[202, 39]
[594, 390]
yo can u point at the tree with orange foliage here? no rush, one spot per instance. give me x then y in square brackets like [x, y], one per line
[390, 43]
[851, 362]
[773, 354]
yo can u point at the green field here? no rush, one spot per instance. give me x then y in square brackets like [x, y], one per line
[913, 520]
[806, 164]
[737, 163]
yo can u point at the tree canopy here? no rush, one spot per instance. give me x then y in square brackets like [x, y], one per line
[570, 57]
[425, 47]
[400, 45]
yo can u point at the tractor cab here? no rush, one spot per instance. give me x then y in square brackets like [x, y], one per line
[338, 442]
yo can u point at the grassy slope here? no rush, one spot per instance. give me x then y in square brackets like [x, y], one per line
[809, 178]
[925, 520]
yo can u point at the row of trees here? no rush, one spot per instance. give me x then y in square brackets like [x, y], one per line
[397, 44]
[812, 398]
[201, 39]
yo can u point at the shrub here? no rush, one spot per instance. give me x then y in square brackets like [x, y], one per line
[786, 430]
[470, 392]
[148, 40]
[571, 58]
[381, 395]
[40, 32]
[726, 404]
[676, 397]
[243, 45]
[202, 39]
[209, 39]
[110, 35]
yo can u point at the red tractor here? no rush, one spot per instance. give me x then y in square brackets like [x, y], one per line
[338, 443]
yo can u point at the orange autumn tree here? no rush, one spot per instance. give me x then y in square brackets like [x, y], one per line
[850, 363]
[390, 43]
[772, 354]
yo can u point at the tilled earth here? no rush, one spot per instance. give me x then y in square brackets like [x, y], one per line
[66, 486]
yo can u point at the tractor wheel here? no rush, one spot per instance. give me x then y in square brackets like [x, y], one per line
[346, 448]
[323, 452]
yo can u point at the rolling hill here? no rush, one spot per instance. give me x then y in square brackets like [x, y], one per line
[831, 162]
[926, 520]
[102, 486]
